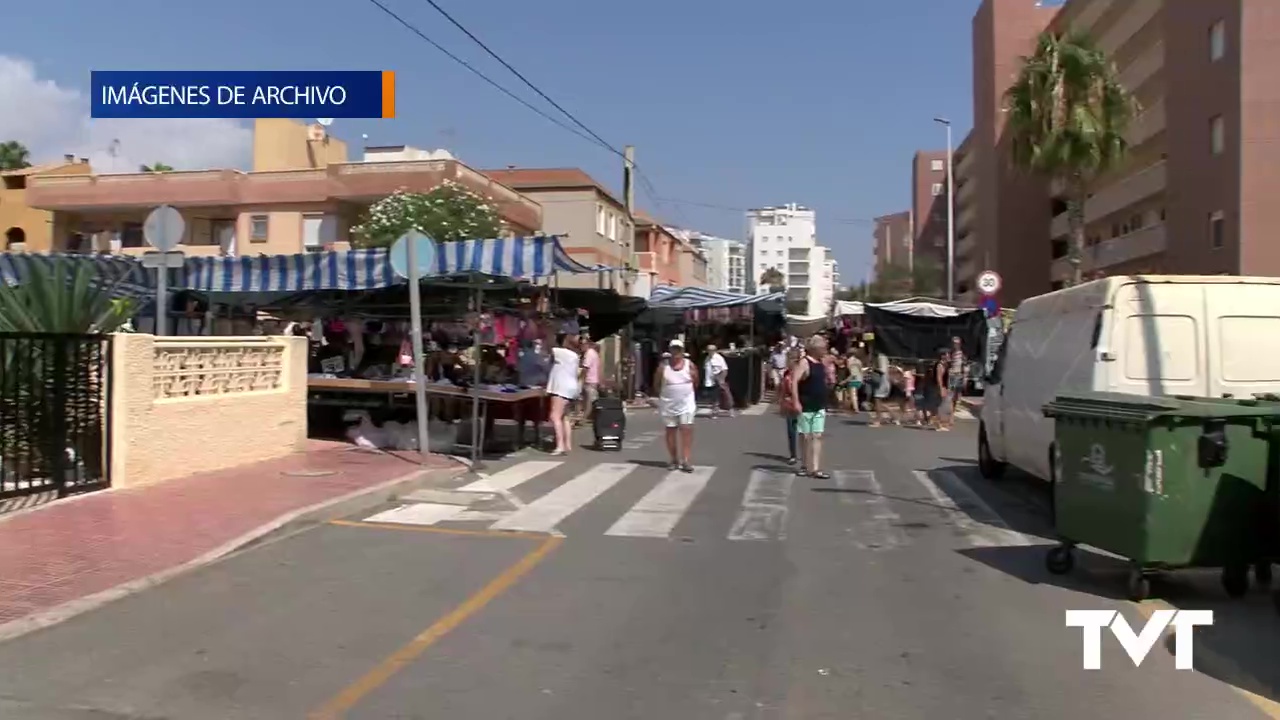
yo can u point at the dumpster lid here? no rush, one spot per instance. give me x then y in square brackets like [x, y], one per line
[1123, 406]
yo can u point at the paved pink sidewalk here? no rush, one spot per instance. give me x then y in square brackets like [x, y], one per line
[75, 548]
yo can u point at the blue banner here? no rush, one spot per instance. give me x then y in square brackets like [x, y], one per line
[255, 94]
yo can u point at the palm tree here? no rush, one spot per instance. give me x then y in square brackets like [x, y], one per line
[773, 279]
[14, 155]
[156, 168]
[1067, 115]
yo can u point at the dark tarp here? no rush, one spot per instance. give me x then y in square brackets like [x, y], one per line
[920, 338]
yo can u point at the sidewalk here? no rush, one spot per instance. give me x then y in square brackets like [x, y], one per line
[72, 555]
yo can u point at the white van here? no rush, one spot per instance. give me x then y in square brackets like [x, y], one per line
[1208, 336]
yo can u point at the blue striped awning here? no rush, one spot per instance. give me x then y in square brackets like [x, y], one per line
[123, 275]
[691, 298]
[350, 270]
[521, 258]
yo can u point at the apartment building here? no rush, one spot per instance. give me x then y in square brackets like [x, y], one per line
[929, 206]
[971, 259]
[594, 223]
[785, 238]
[302, 195]
[1195, 194]
[894, 238]
[726, 259]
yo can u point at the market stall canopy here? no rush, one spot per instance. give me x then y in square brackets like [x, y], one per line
[912, 332]
[847, 308]
[920, 307]
[527, 257]
[689, 298]
[804, 326]
[121, 275]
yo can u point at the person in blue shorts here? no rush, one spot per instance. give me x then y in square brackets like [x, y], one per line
[809, 385]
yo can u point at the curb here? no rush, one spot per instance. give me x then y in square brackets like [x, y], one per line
[285, 525]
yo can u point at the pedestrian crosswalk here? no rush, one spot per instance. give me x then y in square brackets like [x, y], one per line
[878, 511]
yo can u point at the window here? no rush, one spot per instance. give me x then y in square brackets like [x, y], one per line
[1217, 40]
[936, 166]
[779, 253]
[1217, 135]
[612, 233]
[600, 228]
[258, 228]
[1217, 230]
[937, 189]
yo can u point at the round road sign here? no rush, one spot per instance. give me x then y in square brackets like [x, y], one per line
[163, 228]
[989, 282]
[424, 250]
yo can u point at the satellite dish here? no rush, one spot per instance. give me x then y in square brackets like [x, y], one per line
[325, 121]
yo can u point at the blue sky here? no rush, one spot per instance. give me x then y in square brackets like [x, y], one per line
[740, 104]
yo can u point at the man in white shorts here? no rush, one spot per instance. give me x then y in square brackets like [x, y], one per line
[675, 384]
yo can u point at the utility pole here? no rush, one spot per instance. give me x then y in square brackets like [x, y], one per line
[630, 273]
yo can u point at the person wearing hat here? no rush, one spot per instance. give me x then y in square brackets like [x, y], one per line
[676, 383]
[717, 379]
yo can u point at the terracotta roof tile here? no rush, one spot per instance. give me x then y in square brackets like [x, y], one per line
[547, 179]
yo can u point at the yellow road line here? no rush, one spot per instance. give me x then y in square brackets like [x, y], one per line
[1269, 707]
[385, 670]
[440, 530]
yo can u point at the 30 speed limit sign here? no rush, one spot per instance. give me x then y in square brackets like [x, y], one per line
[989, 282]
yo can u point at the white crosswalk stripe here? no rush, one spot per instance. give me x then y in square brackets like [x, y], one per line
[657, 513]
[545, 513]
[877, 510]
[764, 506]
[978, 521]
[882, 531]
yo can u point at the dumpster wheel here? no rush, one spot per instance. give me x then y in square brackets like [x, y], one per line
[1138, 585]
[1060, 560]
[1235, 580]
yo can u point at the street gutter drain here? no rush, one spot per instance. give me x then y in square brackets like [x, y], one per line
[309, 473]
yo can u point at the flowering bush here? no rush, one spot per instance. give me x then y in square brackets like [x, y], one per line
[446, 213]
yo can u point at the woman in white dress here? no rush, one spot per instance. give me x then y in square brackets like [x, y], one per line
[563, 387]
[676, 381]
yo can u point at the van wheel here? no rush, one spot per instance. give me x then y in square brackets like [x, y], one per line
[990, 468]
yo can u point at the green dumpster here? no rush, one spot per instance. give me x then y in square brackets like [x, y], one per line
[1165, 482]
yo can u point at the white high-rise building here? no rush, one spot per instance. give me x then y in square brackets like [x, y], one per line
[726, 259]
[785, 238]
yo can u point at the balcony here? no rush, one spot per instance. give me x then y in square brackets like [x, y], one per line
[1116, 197]
[359, 182]
[1150, 240]
[968, 213]
[1090, 14]
[798, 281]
[1143, 67]
[1135, 17]
[966, 190]
[1149, 123]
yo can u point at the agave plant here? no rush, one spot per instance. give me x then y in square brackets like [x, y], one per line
[63, 296]
[51, 376]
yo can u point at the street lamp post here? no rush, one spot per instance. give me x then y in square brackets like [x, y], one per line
[951, 214]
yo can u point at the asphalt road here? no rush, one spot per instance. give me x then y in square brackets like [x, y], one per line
[905, 587]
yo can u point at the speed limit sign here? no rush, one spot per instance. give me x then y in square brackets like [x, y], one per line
[989, 282]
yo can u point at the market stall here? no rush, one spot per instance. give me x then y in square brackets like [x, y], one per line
[740, 325]
[481, 313]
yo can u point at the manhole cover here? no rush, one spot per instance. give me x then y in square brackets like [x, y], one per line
[309, 473]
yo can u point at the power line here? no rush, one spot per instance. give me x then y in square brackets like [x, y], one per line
[414, 29]
[520, 75]
[591, 136]
[586, 133]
